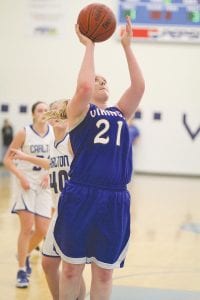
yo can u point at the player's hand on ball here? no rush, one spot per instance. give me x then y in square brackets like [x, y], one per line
[127, 33]
[82, 38]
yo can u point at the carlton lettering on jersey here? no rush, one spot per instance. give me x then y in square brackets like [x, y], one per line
[101, 112]
[59, 161]
[39, 148]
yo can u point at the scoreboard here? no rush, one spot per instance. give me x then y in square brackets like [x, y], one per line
[162, 20]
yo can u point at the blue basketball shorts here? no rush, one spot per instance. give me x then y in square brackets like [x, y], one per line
[93, 225]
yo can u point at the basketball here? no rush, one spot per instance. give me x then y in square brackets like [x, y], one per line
[97, 22]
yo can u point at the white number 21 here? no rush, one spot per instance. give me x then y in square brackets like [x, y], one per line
[106, 125]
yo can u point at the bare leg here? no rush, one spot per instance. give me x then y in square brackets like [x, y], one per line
[26, 224]
[51, 269]
[101, 286]
[70, 281]
[41, 227]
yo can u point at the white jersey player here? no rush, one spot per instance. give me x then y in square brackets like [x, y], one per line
[33, 201]
[58, 164]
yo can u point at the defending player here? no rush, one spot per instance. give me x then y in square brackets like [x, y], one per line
[33, 201]
[58, 165]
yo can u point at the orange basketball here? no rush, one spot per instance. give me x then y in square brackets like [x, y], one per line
[97, 22]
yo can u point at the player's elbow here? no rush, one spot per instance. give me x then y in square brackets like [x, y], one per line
[85, 89]
[139, 91]
[6, 161]
[141, 88]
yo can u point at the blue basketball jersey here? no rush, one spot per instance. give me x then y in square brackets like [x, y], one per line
[102, 150]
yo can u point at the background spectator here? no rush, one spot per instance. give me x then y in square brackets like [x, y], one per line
[133, 131]
[7, 135]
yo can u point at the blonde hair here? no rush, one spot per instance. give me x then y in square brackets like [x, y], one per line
[60, 113]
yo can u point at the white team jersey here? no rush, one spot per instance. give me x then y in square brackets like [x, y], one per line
[60, 161]
[39, 146]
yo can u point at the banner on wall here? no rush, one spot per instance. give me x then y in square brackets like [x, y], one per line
[46, 18]
[162, 20]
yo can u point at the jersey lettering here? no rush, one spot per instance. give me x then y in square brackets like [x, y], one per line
[120, 124]
[106, 125]
[57, 180]
[98, 138]
[39, 148]
[37, 168]
[59, 161]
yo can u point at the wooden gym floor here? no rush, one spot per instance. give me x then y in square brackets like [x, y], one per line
[163, 261]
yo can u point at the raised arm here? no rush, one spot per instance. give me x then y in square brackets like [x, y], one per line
[78, 106]
[132, 96]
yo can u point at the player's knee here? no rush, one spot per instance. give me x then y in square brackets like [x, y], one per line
[104, 276]
[41, 232]
[26, 230]
[71, 272]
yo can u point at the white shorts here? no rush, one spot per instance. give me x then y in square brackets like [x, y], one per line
[48, 248]
[37, 201]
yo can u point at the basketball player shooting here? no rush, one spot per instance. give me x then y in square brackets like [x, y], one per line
[93, 223]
